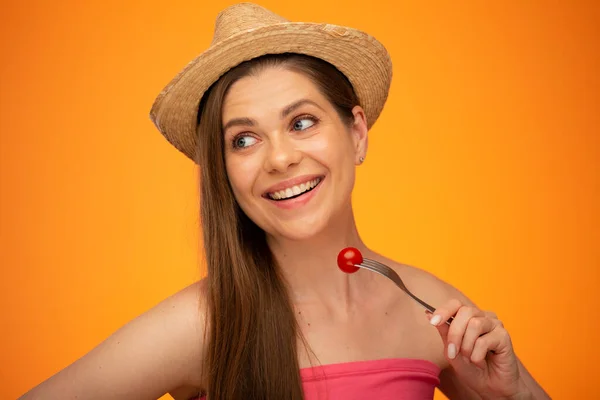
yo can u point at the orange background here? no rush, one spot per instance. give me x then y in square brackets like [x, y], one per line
[483, 168]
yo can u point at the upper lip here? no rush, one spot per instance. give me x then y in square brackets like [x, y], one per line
[291, 182]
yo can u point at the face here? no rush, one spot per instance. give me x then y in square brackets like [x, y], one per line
[289, 157]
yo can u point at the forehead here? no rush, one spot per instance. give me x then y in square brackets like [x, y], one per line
[267, 92]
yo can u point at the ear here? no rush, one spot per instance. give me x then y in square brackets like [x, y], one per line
[359, 133]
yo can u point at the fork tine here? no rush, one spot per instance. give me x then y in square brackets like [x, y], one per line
[378, 264]
[387, 271]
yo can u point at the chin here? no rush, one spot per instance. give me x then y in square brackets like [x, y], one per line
[298, 230]
[296, 235]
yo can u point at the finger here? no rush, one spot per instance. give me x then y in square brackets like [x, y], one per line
[497, 342]
[476, 327]
[491, 314]
[458, 328]
[483, 345]
[443, 313]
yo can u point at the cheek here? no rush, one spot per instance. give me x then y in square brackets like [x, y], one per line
[325, 149]
[334, 153]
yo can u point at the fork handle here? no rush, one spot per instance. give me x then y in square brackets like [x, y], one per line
[427, 306]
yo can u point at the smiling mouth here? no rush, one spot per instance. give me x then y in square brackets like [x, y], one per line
[295, 191]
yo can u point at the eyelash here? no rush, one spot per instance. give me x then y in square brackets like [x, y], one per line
[312, 118]
[309, 117]
[235, 139]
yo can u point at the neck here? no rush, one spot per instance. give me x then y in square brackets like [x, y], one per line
[310, 266]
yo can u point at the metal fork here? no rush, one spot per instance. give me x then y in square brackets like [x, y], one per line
[389, 273]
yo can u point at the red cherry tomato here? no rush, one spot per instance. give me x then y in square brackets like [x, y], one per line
[348, 258]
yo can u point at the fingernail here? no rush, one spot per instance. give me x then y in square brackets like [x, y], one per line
[435, 320]
[451, 351]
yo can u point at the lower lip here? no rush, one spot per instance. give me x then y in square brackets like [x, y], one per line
[298, 201]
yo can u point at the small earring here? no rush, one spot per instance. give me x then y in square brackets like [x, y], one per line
[361, 160]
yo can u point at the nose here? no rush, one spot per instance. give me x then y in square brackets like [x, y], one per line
[282, 154]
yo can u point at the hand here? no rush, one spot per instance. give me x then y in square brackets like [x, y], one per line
[479, 350]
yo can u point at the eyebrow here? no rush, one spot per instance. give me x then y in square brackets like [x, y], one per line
[239, 122]
[297, 104]
[284, 113]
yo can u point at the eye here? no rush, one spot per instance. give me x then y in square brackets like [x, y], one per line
[303, 123]
[242, 141]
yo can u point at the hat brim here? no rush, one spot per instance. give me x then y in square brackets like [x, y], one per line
[359, 56]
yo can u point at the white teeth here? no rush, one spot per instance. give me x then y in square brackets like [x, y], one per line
[294, 190]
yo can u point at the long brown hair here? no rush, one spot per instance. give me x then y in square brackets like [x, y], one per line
[251, 347]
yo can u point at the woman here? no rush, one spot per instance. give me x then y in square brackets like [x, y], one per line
[278, 139]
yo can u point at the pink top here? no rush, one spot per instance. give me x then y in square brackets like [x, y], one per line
[394, 378]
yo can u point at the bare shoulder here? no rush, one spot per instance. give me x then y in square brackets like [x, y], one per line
[423, 283]
[158, 352]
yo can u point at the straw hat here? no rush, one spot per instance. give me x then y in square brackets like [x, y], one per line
[246, 31]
